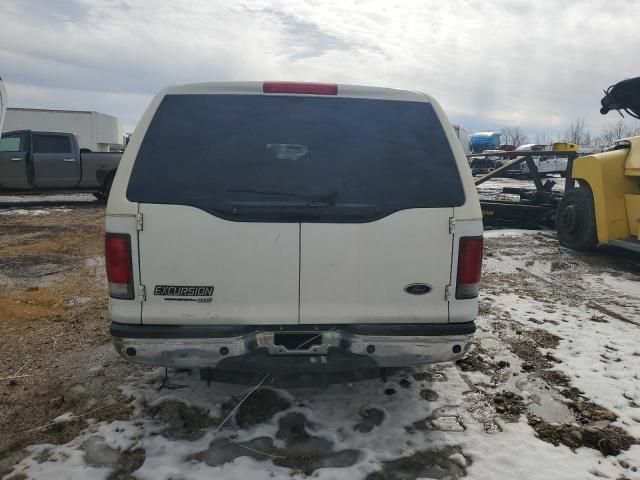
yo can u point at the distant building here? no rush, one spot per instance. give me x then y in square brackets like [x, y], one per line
[95, 131]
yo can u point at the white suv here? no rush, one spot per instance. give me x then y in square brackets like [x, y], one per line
[293, 227]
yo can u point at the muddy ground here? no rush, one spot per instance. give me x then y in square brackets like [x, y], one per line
[53, 325]
[553, 374]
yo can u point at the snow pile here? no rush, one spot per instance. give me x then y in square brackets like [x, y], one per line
[433, 438]
[60, 197]
[33, 211]
[508, 232]
[65, 417]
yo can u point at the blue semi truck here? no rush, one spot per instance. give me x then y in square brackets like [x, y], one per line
[482, 141]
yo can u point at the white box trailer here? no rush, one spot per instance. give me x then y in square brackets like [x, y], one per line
[3, 103]
[95, 131]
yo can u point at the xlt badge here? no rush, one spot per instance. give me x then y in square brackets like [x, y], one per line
[185, 293]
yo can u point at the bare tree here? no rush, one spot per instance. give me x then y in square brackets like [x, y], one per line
[545, 138]
[577, 133]
[542, 138]
[613, 131]
[633, 130]
[513, 136]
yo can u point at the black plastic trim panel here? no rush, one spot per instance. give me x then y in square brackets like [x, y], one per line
[123, 330]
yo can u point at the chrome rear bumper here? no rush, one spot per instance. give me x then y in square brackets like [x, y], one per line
[198, 347]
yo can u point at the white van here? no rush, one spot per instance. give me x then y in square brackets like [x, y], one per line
[266, 227]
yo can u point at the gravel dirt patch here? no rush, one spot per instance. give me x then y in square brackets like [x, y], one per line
[53, 328]
[448, 463]
[371, 418]
[599, 435]
[261, 406]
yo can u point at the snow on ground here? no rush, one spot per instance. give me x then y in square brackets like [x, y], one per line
[492, 189]
[32, 211]
[599, 352]
[602, 359]
[506, 232]
[449, 442]
[61, 197]
[472, 419]
[39, 205]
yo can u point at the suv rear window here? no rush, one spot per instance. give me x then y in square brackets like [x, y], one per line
[285, 158]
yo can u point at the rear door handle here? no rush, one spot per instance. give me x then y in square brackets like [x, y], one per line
[16, 159]
[68, 159]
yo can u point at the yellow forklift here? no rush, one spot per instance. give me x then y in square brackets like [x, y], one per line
[601, 203]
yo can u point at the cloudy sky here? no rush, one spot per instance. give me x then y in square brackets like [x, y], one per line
[537, 64]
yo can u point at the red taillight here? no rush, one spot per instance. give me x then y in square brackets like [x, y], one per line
[301, 88]
[469, 267]
[117, 250]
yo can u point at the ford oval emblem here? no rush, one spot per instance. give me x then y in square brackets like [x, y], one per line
[417, 289]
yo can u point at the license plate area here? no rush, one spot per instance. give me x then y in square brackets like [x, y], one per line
[298, 343]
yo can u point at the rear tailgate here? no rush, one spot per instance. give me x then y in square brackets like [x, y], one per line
[364, 273]
[200, 269]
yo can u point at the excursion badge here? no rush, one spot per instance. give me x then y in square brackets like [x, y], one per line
[185, 293]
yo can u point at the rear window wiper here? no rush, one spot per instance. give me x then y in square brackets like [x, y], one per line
[322, 199]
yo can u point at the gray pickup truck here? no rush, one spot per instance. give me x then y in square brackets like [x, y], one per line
[43, 162]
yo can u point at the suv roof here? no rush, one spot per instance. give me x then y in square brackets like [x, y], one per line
[344, 90]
